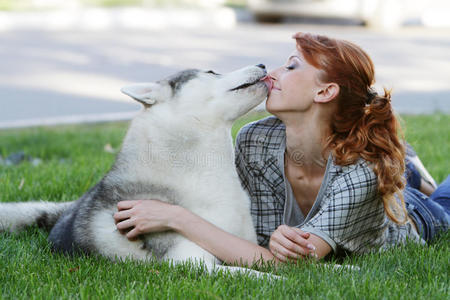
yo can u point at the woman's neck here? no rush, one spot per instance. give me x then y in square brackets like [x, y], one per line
[305, 143]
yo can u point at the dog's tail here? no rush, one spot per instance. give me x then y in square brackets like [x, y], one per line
[15, 216]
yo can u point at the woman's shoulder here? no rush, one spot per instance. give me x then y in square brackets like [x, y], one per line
[268, 132]
[354, 179]
[358, 168]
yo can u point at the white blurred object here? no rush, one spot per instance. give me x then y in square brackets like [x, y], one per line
[437, 14]
[78, 3]
[97, 19]
[384, 14]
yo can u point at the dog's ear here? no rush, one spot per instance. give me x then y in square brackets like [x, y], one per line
[142, 92]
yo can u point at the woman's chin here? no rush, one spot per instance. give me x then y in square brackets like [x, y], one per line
[275, 106]
[270, 108]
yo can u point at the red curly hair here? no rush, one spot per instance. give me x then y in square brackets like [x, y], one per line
[364, 124]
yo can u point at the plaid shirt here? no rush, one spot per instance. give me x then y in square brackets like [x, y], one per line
[348, 213]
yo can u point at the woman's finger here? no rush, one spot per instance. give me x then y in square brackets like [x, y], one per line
[294, 235]
[302, 233]
[122, 215]
[127, 204]
[277, 254]
[282, 250]
[291, 240]
[292, 250]
[302, 241]
[125, 224]
[279, 257]
[133, 235]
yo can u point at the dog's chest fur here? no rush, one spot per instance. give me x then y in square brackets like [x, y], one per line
[186, 167]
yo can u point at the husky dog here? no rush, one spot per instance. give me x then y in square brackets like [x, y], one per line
[178, 150]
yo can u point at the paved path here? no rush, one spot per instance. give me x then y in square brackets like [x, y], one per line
[50, 77]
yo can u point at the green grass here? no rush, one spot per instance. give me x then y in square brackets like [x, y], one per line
[74, 159]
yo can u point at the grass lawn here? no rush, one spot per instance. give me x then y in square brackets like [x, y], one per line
[73, 159]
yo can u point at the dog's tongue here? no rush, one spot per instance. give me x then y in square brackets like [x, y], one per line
[268, 81]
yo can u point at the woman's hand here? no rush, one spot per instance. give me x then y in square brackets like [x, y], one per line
[138, 217]
[290, 243]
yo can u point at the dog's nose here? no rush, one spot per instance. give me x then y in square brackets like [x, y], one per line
[261, 66]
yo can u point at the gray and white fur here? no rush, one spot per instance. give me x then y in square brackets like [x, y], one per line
[178, 149]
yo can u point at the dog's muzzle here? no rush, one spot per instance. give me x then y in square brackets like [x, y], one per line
[246, 85]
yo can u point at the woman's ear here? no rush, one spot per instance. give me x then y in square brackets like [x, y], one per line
[326, 92]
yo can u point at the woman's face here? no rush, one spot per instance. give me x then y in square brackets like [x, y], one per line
[295, 85]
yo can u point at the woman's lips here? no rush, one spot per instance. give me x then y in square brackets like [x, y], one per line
[268, 81]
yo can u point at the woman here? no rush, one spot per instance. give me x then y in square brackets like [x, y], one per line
[325, 175]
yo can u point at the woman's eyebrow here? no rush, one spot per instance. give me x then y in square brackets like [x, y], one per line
[294, 56]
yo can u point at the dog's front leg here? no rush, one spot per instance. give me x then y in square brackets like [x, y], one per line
[248, 272]
[184, 250]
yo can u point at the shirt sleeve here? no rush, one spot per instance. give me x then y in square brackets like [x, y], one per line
[241, 167]
[352, 215]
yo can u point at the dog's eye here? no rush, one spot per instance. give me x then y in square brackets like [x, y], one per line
[211, 72]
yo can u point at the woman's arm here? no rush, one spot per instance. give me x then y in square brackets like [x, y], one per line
[145, 216]
[225, 246]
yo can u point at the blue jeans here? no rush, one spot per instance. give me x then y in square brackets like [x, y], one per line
[431, 214]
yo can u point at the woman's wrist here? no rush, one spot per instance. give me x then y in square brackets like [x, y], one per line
[214, 239]
[178, 216]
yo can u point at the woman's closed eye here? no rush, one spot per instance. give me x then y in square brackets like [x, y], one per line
[290, 67]
[292, 63]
